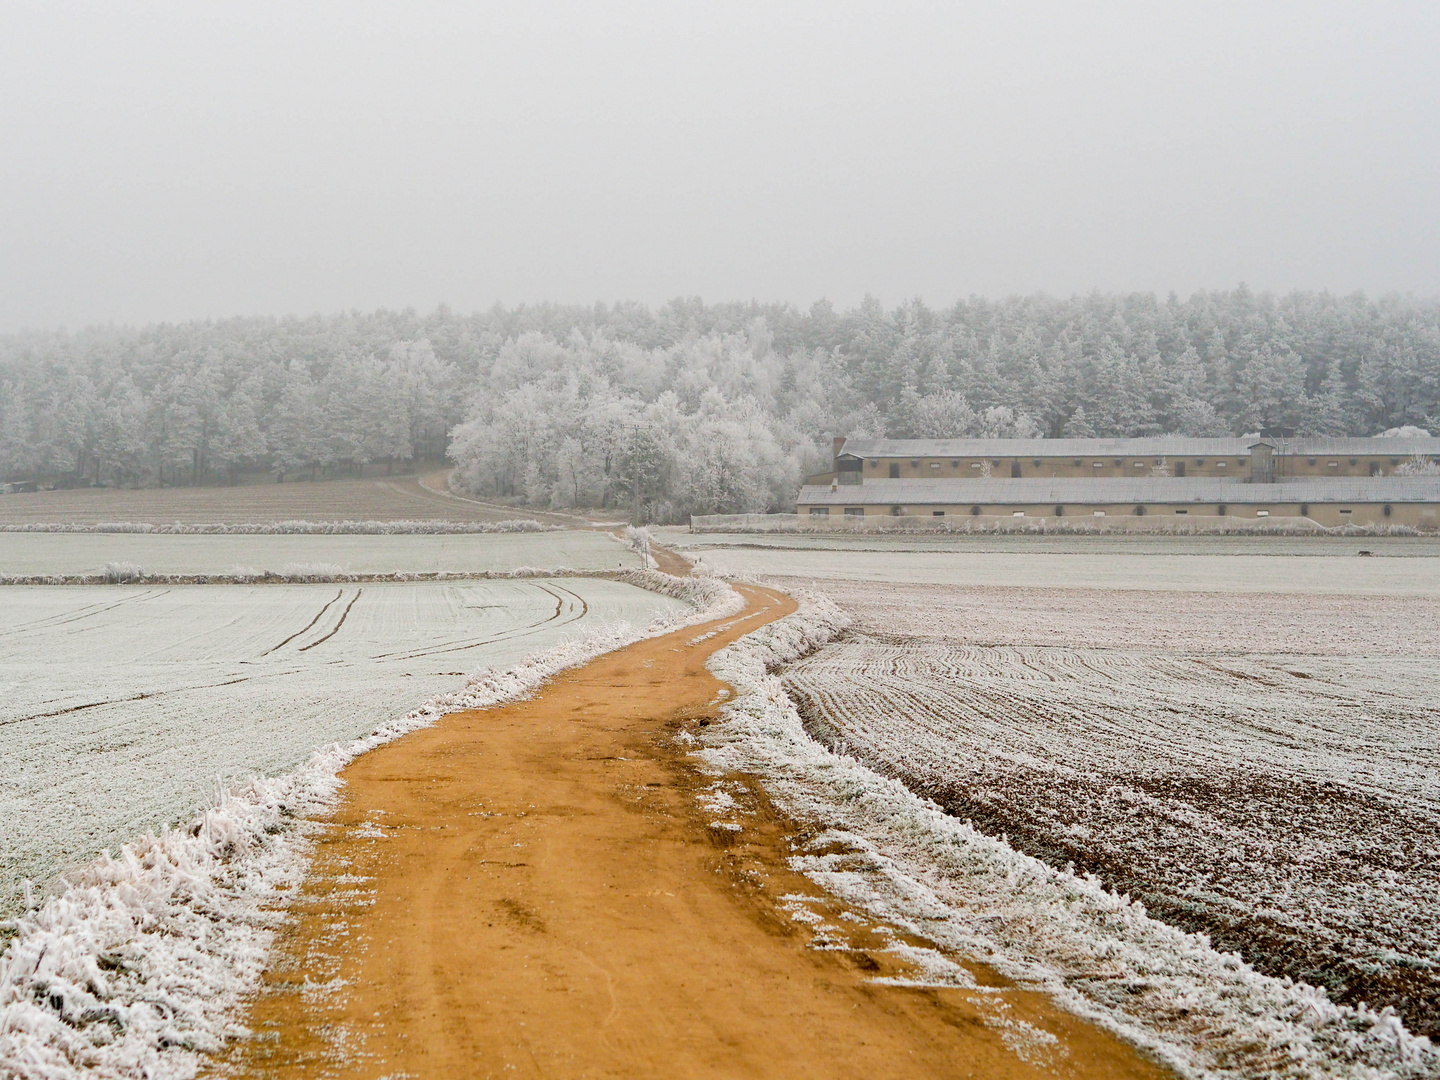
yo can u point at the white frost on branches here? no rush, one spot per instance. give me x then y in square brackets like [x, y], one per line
[1419, 465]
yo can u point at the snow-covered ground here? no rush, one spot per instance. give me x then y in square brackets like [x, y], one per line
[1145, 619]
[122, 708]
[1246, 742]
[1170, 763]
[1287, 806]
[139, 966]
[1113, 544]
[88, 553]
[1107, 568]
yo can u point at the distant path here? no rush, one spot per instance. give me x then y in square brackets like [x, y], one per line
[536, 890]
[437, 483]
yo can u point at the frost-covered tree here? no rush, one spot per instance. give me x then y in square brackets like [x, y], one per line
[538, 403]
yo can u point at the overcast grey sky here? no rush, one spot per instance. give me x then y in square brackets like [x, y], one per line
[174, 160]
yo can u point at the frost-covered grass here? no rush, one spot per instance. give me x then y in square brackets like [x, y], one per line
[139, 966]
[1107, 569]
[1146, 620]
[42, 554]
[1007, 525]
[120, 707]
[1288, 807]
[900, 855]
[1120, 544]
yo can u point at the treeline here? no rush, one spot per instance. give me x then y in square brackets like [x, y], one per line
[695, 408]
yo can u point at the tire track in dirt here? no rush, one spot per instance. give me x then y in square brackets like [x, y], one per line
[307, 626]
[509, 635]
[87, 612]
[343, 616]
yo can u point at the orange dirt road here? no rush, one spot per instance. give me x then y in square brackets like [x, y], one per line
[536, 890]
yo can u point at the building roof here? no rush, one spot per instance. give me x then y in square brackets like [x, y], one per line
[1156, 446]
[1120, 490]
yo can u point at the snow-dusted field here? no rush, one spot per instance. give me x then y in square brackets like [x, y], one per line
[122, 707]
[1247, 743]
[1102, 568]
[972, 889]
[1289, 807]
[87, 553]
[1145, 619]
[1117, 544]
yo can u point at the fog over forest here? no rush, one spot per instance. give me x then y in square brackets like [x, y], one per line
[694, 408]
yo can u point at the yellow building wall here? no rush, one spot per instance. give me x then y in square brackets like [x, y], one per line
[1337, 465]
[950, 468]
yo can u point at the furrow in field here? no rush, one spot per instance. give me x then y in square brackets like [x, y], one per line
[1296, 819]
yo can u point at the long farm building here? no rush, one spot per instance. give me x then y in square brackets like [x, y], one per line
[1379, 481]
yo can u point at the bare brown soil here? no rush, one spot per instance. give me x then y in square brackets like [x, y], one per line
[401, 498]
[536, 890]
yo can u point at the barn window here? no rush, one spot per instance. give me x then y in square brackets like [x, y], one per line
[1179, 468]
[1346, 511]
[1266, 513]
[1304, 509]
[1333, 465]
[896, 511]
[1099, 464]
[1141, 464]
[1059, 511]
[1182, 511]
[820, 511]
[937, 513]
[894, 470]
[1139, 511]
[1221, 464]
[974, 511]
[1015, 469]
[1309, 461]
[1374, 468]
[1119, 461]
[1220, 510]
[1079, 462]
[1385, 510]
[1097, 513]
[874, 464]
[1353, 460]
[1037, 462]
[854, 511]
[974, 464]
[1018, 513]
[915, 462]
[995, 461]
[954, 463]
[1199, 461]
[1394, 461]
[934, 464]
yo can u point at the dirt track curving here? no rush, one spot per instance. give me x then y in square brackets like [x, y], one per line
[536, 890]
